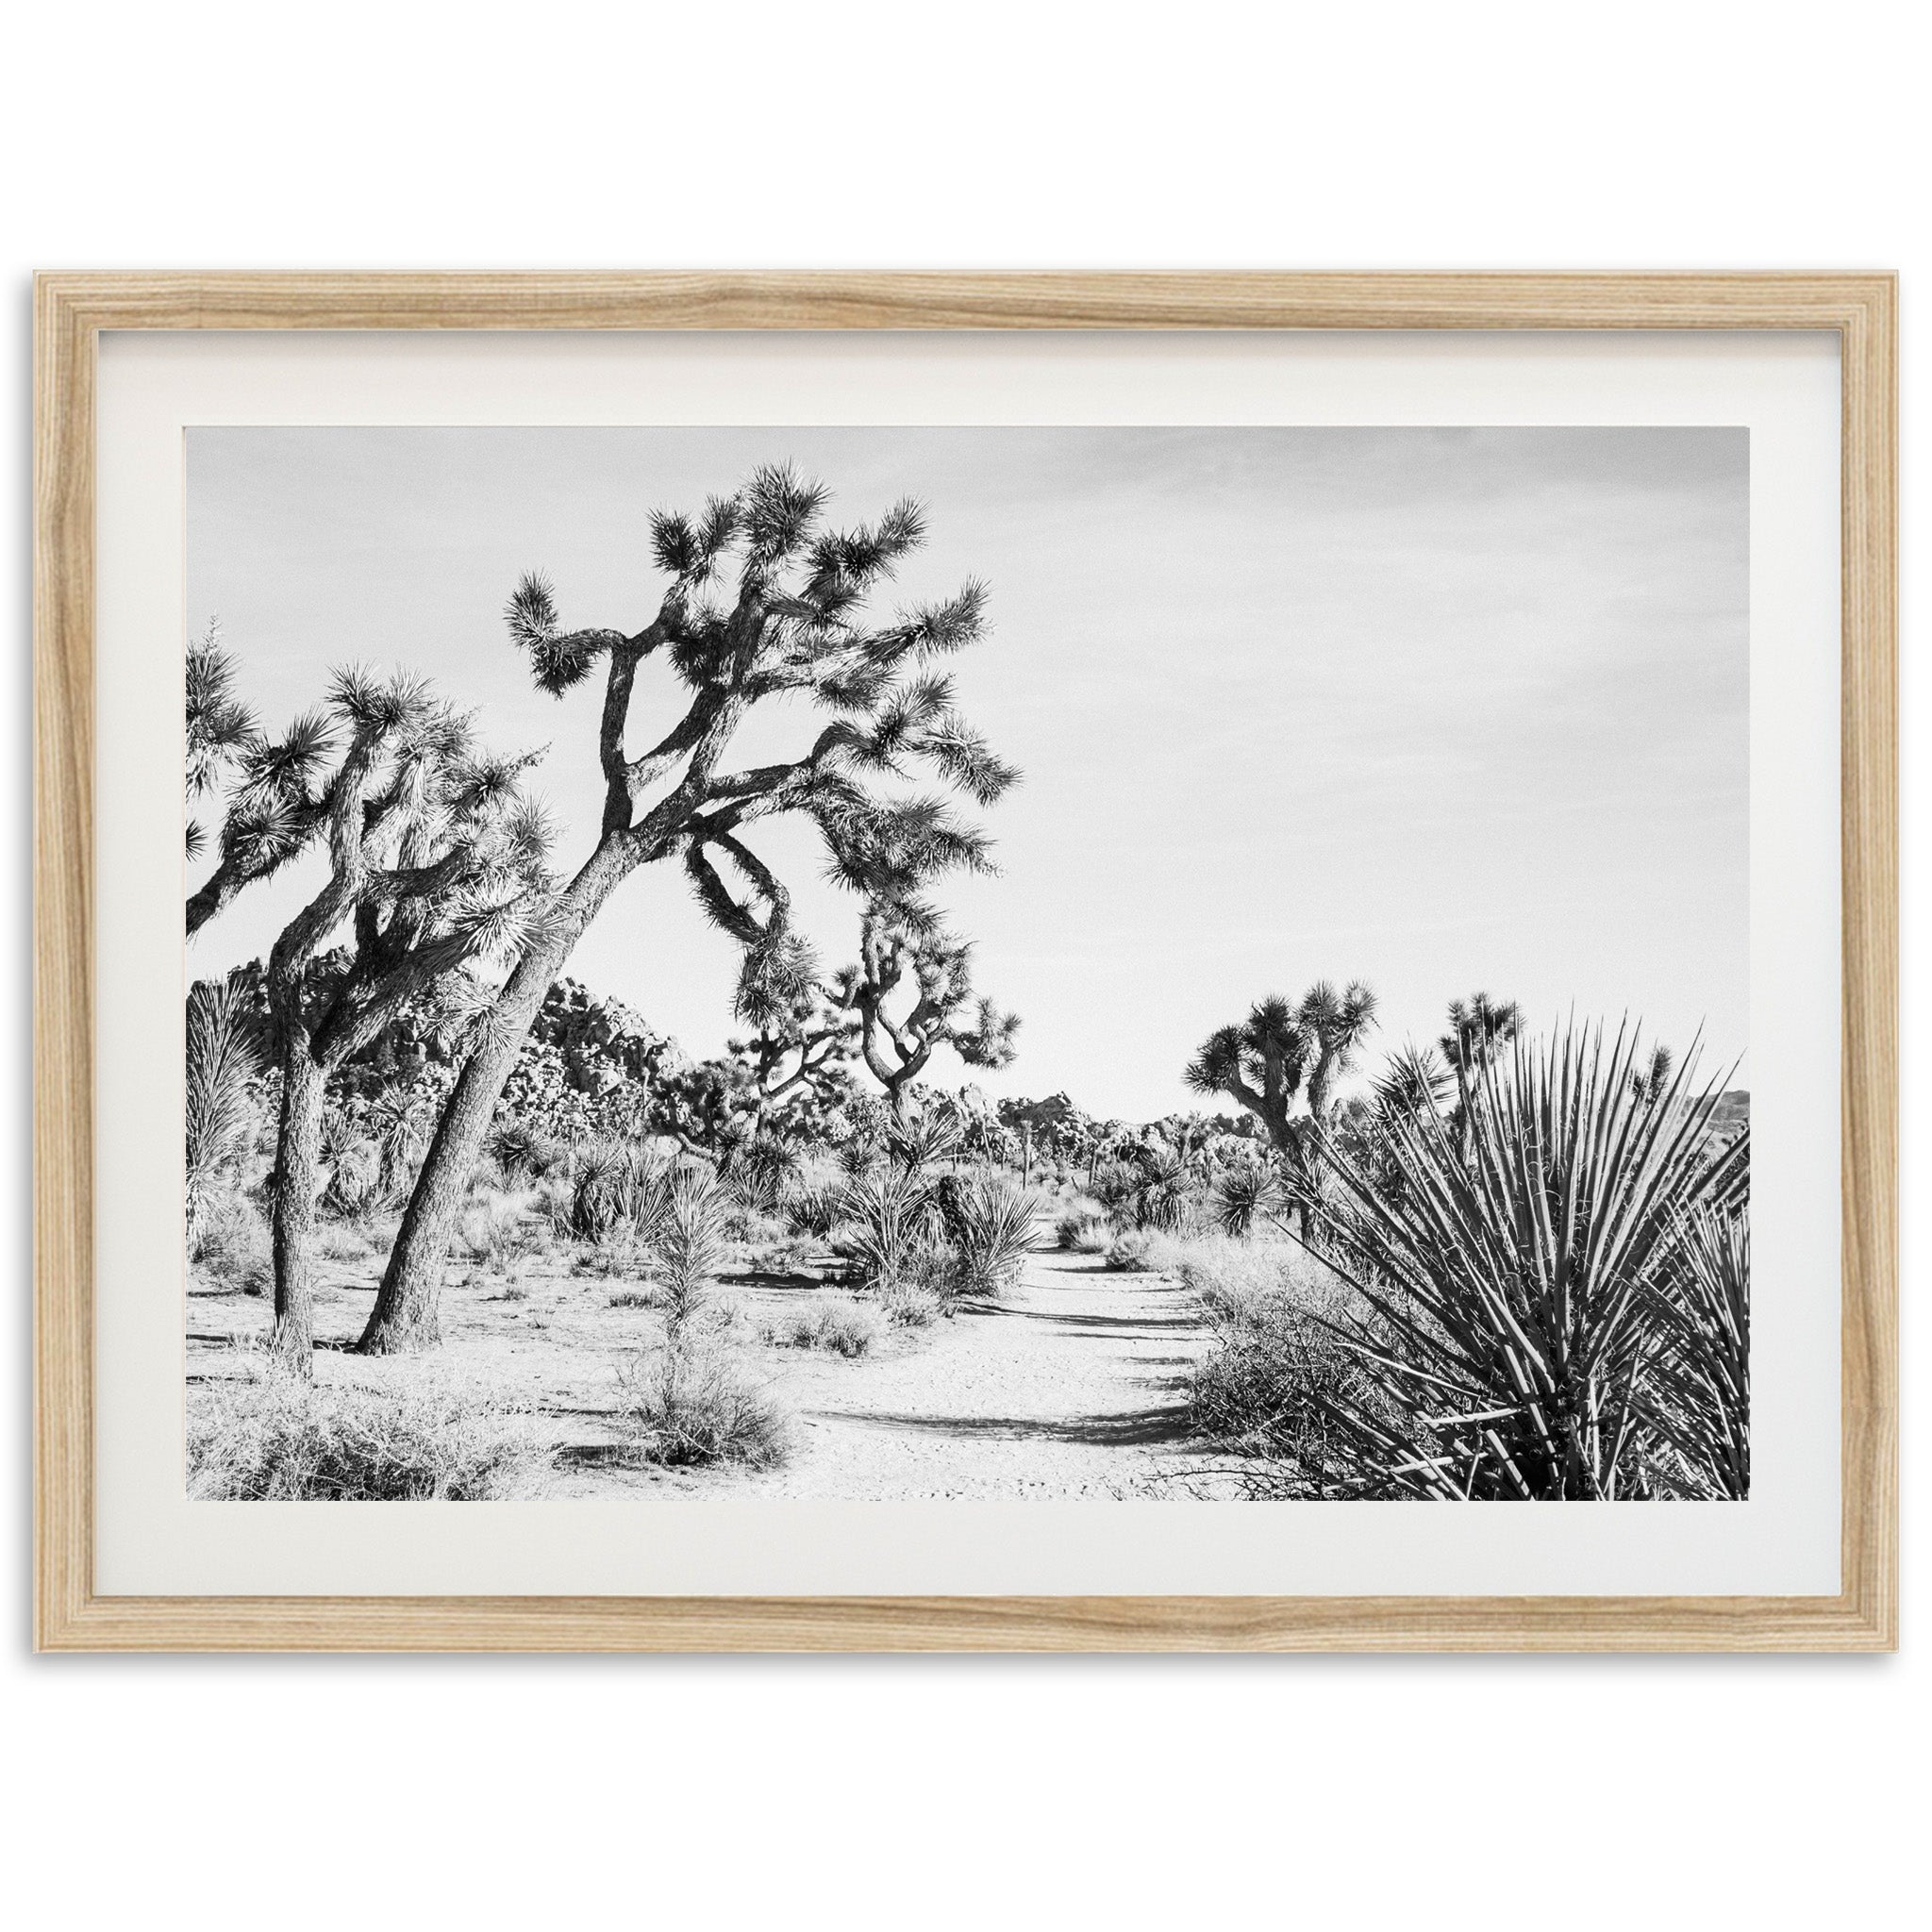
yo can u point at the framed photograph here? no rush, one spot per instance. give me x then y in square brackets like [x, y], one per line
[974, 962]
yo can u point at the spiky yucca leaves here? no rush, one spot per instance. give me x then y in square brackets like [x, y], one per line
[888, 1221]
[1514, 1287]
[688, 1238]
[225, 1056]
[1702, 1374]
[989, 1223]
[1246, 1192]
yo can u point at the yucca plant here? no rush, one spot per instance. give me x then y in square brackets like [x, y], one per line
[888, 1220]
[224, 1057]
[1244, 1193]
[687, 1212]
[1515, 1277]
[989, 1221]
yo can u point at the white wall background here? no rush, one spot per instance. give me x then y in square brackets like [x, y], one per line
[1342, 1792]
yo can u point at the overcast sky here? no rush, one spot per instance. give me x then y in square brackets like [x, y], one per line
[1437, 708]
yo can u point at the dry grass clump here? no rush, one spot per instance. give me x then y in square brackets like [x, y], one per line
[907, 1304]
[833, 1327]
[1239, 1279]
[649, 1295]
[231, 1240]
[1130, 1251]
[279, 1439]
[691, 1407]
[1083, 1228]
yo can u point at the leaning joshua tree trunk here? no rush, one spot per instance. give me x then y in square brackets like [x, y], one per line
[405, 1314]
[795, 624]
[296, 1182]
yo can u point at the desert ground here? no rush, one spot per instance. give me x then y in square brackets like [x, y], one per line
[1072, 1384]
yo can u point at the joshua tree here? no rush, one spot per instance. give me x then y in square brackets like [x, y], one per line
[1479, 1028]
[762, 604]
[804, 1043]
[900, 941]
[1283, 1053]
[273, 807]
[436, 861]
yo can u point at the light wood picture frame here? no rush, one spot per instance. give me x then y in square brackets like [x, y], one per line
[72, 310]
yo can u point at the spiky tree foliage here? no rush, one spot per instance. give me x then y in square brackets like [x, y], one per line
[221, 728]
[903, 957]
[435, 864]
[1479, 1029]
[799, 1053]
[274, 792]
[1514, 1345]
[1283, 1053]
[225, 1056]
[1651, 1076]
[763, 603]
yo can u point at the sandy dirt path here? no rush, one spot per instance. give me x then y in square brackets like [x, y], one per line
[1071, 1385]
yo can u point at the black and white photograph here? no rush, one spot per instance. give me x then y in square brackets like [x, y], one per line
[984, 963]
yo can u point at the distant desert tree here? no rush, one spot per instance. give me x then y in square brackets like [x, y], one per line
[1479, 1029]
[224, 1057]
[801, 1052]
[1283, 1053]
[436, 863]
[272, 808]
[904, 960]
[763, 605]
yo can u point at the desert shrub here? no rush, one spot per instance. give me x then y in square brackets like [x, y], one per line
[834, 1327]
[229, 1242]
[344, 1241]
[1237, 1279]
[497, 1234]
[1529, 1283]
[988, 1223]
[1128, 1251]
[1083, 1228]
[691, 1406]
[813, 1209]
[279, 1439]
[647, 1297]
[1267, 1386]
[912, 1303]
[790, 1256]
[749, 1227]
